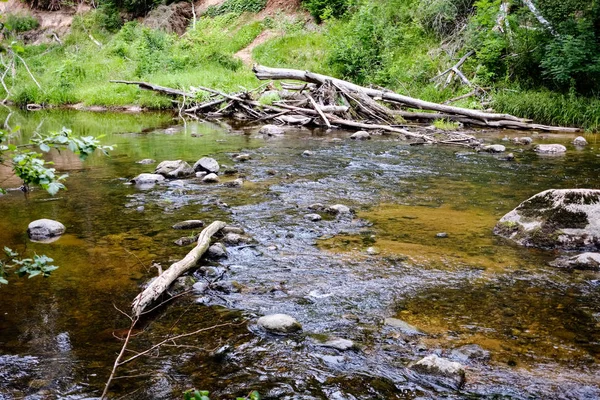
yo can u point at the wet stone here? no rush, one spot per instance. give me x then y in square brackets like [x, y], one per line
[451, 373]
[217, 250]
[470, 352]
[189, 224]
[232, 229]
[494, 148]
[186, 240]
[44, 229]
[373, 251]
[236, 183]
[146, 161]
[441, 235]
[360, 135]
[242, 157]
[316, 207]
[279, 323]
[403, 327]
[174, 169]
[143, 179]
[200, 287]
[271, 130]
[580, 141]
[340, 344]
[201, 174]
[211, 178]
[308, 153]
[550, 149]
[525, 140]
[584, 261]
[207, 164]
[338, 209]
[313, 217]
[235, 239]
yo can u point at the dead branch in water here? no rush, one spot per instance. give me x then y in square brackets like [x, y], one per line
[331, 103]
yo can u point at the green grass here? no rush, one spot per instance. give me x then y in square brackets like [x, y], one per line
[546, 107]
[446, 125]
[79, 71]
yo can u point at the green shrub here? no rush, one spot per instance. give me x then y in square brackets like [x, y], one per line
[17, 23]
[442, 17]
[236, 7]
[325, 9]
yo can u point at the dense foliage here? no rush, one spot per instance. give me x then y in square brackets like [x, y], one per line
[325, 9]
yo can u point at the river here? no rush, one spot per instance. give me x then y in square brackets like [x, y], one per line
[59, 336]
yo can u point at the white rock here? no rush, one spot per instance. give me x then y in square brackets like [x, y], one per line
[340, 344]
[437, 366]
[361, 135]
[339, 209]
[174, 169]
[494, 148]
[43, 229]
[580, 141]
[550, 148]
[271, 130]
[145, 179]
[279, 323]
[207, 164]
[211, 178]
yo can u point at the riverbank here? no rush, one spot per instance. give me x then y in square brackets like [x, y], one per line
[216, 51]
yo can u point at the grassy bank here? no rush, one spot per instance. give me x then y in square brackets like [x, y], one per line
[398, 44]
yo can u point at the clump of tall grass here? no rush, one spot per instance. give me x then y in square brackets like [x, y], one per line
[546, 107]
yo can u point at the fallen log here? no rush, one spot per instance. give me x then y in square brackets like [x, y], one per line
[266, 73]
[157, 88]
[158, 286]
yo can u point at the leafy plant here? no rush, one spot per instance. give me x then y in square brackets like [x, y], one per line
[324, 9]
[446, 124]
[38, 265]
[16, 23]
[236, 7]
[194, 394]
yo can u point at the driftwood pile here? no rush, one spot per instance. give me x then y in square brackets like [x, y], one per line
[333, 103]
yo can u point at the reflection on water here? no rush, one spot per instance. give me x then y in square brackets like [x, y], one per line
[59, 336]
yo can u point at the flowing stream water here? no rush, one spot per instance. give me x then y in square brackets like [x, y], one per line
[59, 336]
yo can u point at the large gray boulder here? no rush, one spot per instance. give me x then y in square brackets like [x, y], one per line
[271, 130]
[44, 229]
[567, 219]
[174, 169]
[279, 323]
[207, 164]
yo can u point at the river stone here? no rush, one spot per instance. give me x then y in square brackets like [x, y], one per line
[313, 217]
[271, 130]
[146, 179]
[207, 164]
[279, 323]
[584, 261]
[146, 161]
[235, 239]
[404, 327]
[338, 209]
[174, 169]
[526, 140]
[580, 141]
[340, 344]
[242, 157]
[308, 153]
[373, 251]
[189, 224]
[470, 352]
[452, 373]
[217, 250]
[44, 229]
[232, 229]
[494, 148]
[361, 135]
[186, 240]
[211, 178]
[567, 219]
[239, 182]
[200, 287]
[550, 148]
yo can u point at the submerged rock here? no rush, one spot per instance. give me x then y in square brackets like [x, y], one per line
[174, 169]
[470, 352]
[361, 135]
[232, 229]
[567, 219]
[242, 157]
[147, 179]
[580, 141]
[189, 224]
[550, 149]
[340, 344]
[146, 161]
[404, 327]
[186, 240]
[584, 261]
[239, 182]
[494, 148]
[279, 323]
[451, 373]
[207, 164]
[525, 140]
[44, 229]
[271, 130]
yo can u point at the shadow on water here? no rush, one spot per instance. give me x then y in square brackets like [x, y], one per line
[59, 336]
